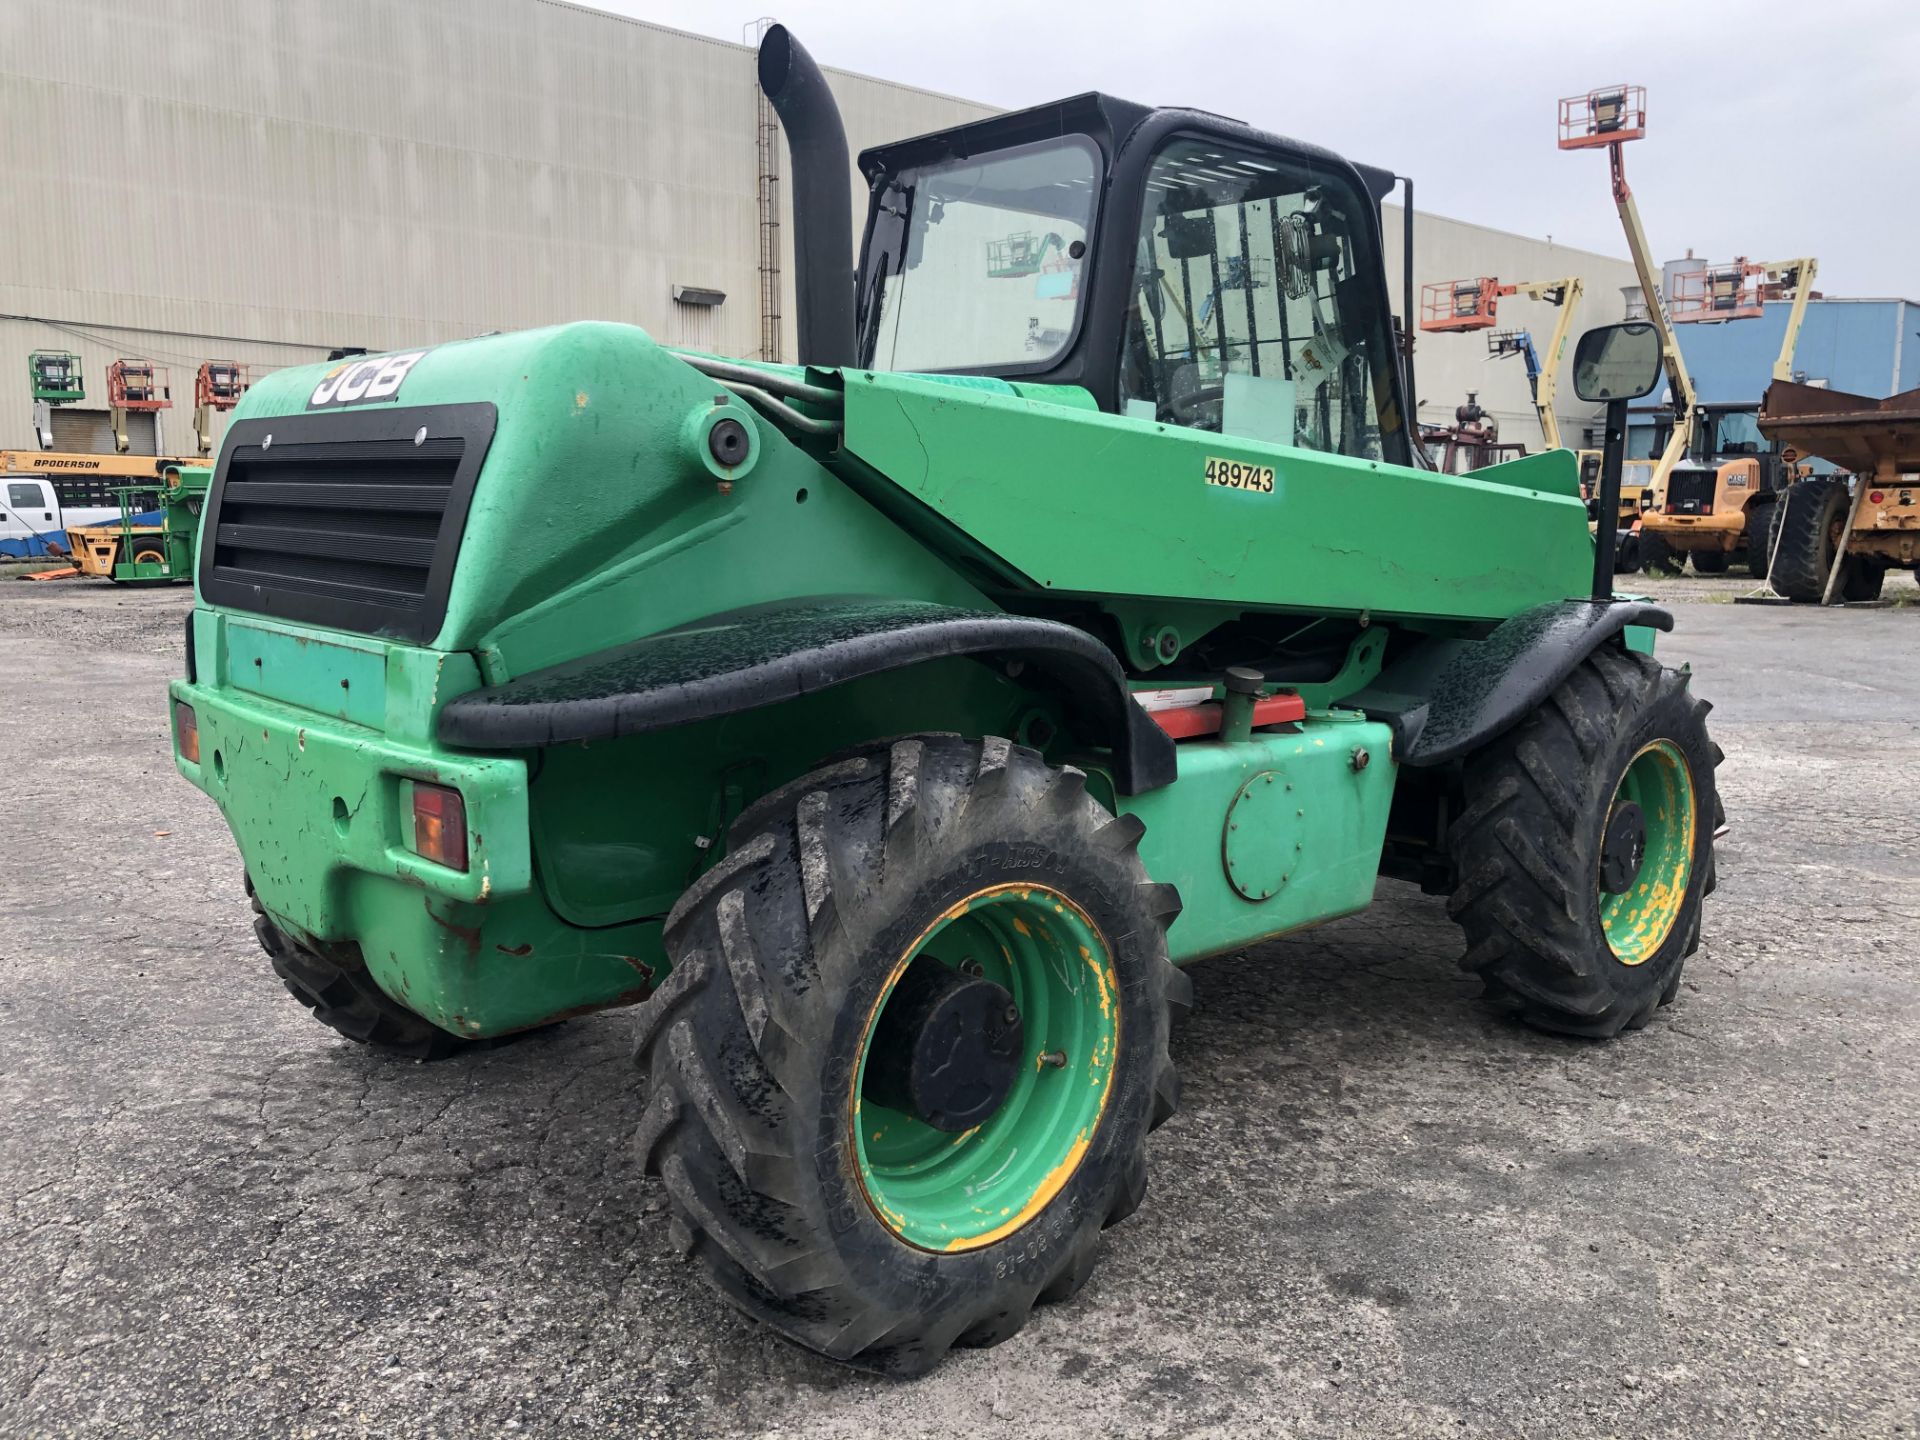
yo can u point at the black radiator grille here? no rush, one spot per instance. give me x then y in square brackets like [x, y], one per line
[350, 518]
[1690, 492]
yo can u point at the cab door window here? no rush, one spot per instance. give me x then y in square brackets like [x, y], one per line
[1256, 304]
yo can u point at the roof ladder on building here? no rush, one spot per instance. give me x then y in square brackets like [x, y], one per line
[766, 138]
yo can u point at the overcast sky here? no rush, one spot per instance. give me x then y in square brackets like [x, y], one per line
[1774, 130]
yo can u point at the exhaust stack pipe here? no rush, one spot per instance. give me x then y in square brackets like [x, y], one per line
[822, 197]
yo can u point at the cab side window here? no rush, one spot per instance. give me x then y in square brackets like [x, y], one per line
[1255, 305]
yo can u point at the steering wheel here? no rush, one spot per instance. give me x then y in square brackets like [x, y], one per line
[1198, 409]
[1191, 403]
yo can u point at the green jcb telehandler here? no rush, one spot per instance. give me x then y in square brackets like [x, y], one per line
[896, 726]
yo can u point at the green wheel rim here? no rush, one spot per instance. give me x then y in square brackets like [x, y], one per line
[1638, 921]
[940, 1191]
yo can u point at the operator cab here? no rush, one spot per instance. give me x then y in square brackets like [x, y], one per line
[1181, 267]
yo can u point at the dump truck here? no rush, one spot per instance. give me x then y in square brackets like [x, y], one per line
[897, 726]
[1836, 536]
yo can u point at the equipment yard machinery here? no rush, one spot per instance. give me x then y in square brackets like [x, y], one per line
[896, 725]
[54, 378]
[1834, 537]
[1607, 119]
[1471, 443]
[1457, 306]
[217, 387]
[146, 546]
[1453, 306]
[1719, 504]
[136, 386]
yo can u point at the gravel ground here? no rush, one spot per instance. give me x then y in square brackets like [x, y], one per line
[1381, 1211]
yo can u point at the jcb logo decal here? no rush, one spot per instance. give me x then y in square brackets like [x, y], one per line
[354, 382]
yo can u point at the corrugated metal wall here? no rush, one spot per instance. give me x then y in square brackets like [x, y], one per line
[1865, 347]
[260, 182]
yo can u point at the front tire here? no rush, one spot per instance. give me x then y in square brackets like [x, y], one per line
[1710, 562]
[1811, 514]
[1657, 557]
[1567, 923]
[875, 1234]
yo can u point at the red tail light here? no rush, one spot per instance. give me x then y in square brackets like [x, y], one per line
[440, 825]
[186, 726]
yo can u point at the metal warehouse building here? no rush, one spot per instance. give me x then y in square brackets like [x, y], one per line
[266, 183]
[1862, 346]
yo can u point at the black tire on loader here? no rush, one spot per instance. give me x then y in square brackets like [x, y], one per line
[1862, 580]
[1626, 552]
[1710, 562]
[345, 998]
[1809, 512]
[1657, 557]
[1547, 816]
[785, 956]
[1760, 536]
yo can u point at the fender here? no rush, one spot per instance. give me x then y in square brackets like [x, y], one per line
[1450, 697]
[766, 654]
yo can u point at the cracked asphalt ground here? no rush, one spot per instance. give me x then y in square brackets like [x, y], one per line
[1382, 1211]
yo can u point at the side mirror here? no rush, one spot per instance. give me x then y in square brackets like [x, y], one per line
[1617, 362]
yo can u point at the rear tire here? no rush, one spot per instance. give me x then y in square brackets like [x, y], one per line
[1862, 579]
[345, 998]
[1549, 940]
[786, 954]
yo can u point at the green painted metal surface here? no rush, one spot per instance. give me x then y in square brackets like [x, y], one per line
[599, 517]
[1271, 835]
[943, 1191]
[330, 674]
[1109, 504]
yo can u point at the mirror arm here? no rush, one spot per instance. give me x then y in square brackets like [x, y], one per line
[1607, 522]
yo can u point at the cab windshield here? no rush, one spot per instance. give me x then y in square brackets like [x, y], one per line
[1256, 309]
[1729, 432]
[988, 272]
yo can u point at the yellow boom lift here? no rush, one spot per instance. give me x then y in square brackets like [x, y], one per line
[1607, 119]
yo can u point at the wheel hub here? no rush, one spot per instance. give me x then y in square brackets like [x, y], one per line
[947, 1048]
[1623, 848]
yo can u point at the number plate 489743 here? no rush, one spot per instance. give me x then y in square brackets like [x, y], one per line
[1237, 475]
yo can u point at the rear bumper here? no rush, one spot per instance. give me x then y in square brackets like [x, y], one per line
[1696, 532]
[321, 813]
[315, 803]
[310, 742]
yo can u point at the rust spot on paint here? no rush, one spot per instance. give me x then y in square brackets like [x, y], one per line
[468, 935]
[642, 966]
